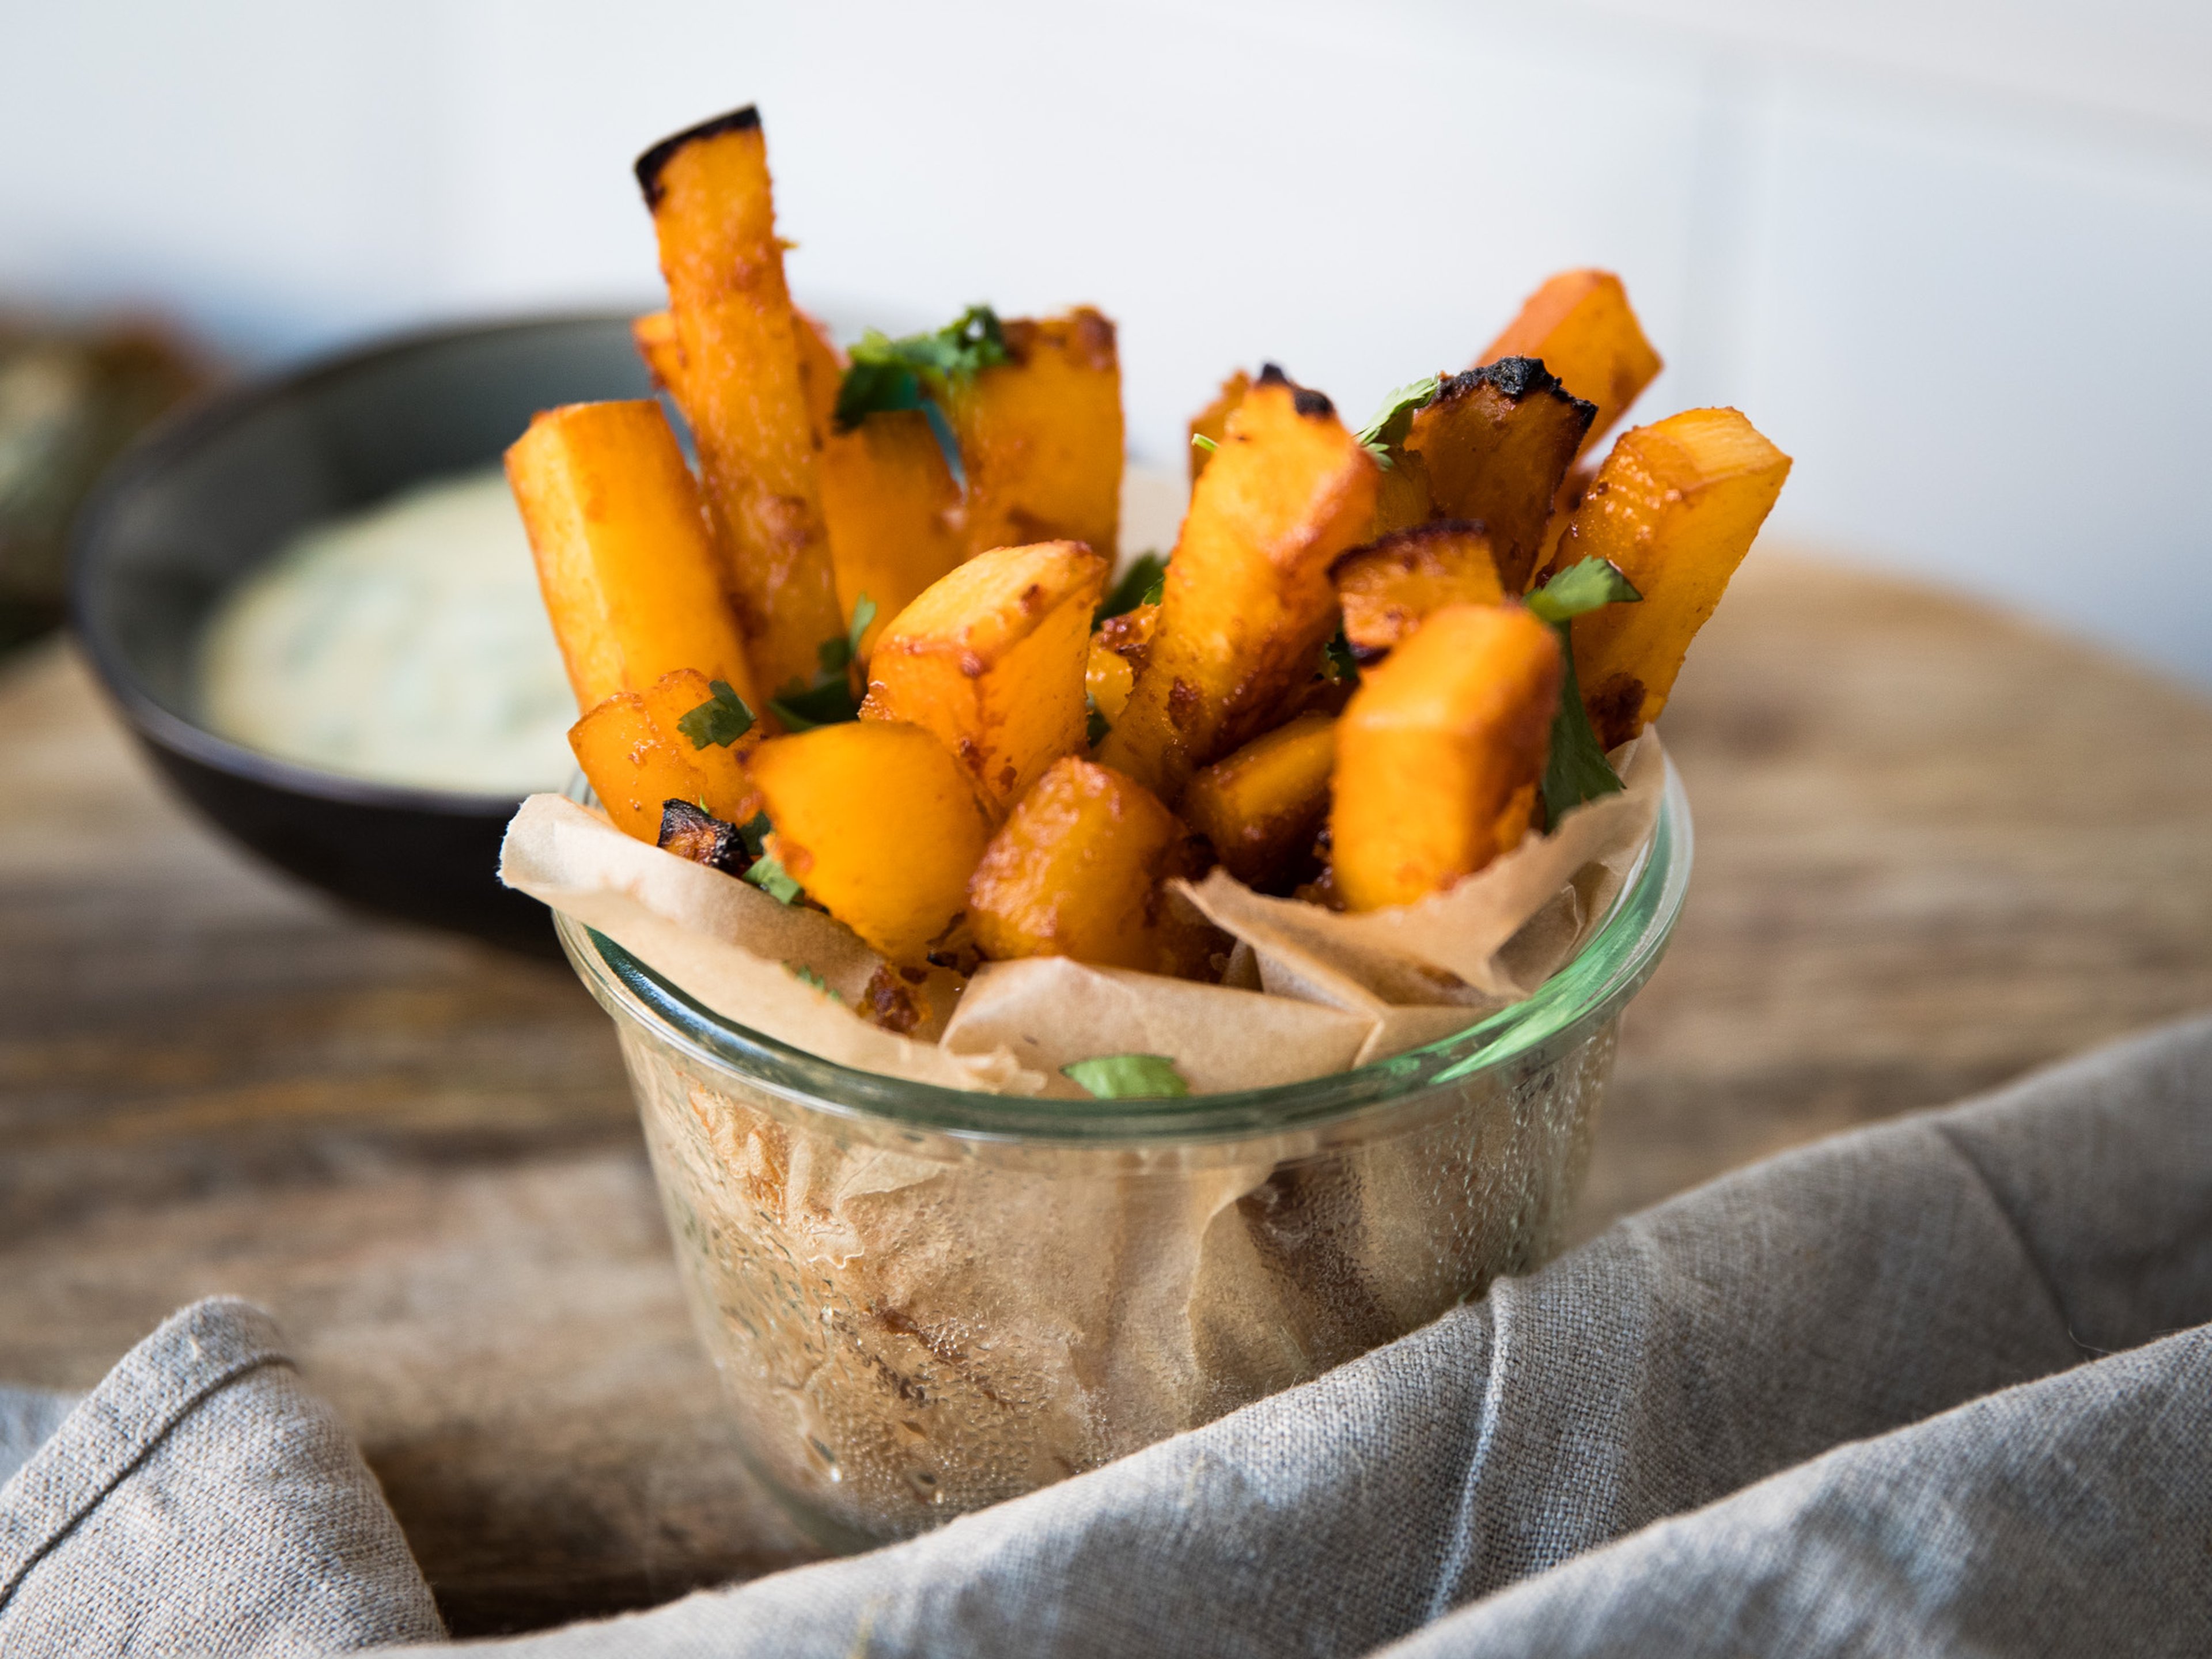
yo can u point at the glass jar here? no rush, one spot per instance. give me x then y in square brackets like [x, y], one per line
[923, 1300]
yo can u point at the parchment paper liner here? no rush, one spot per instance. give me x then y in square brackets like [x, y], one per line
[908, 1329]
[1324, 990]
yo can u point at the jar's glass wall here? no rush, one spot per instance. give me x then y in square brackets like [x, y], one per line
[910, 1331]
[922, 1301]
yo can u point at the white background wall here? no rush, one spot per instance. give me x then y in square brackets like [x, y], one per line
[1954, 255]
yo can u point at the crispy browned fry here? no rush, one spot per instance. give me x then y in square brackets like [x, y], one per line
[1496, 442]
[730, 792]
[637, 761]
[1572, 489]
[1078, 871]
[1118, 648]
[991, 658]
[891, 503]
[1390, 586]
[1040, 437]
[1440, 754]
[689, 831]
[654, 336]
[628, 570]
[1676, 506]
[877, 821]
[1210, 421]
[1579, 326]
[715, 214]
[1248, 603]
[1262, 806]
[1405, 498]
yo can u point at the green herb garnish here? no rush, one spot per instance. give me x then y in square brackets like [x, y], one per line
[721, 720]
[1384, 435]
[835, 655]
[772, 878]
[754, 834]
[1129, 1077]
[1199, 440]
[1337, 661]
[914, 372]
[1577, 770]
[1142, 583]
[1590, 585]
[828, 700]
[801, 707]
[808, 976]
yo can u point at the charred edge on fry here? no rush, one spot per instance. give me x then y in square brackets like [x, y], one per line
[650, 164]
[1410, 539]
[1517, 378]
[691, 833]
[1314, 405]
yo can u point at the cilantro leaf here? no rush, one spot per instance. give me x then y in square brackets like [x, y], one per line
[1578, 769]
[912, 372]
[721, 720]
[837, 654]
[1140, 584]
[1337, 660]
[1386, 432]
[1583, 587]
[755, 833]
[1129, 1077]
[828, 701]
[772, 878]
[808, 976]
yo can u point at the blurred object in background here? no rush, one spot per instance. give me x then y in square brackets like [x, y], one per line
[70, 400]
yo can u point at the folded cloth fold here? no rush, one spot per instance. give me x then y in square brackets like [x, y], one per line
[1933, 1385]
[200, 1501]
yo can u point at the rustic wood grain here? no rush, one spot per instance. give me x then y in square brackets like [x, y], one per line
[1934, 849]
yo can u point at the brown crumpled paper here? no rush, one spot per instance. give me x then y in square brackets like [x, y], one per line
[1329, 990]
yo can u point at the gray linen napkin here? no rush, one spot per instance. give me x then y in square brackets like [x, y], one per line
[198, 1501]
[1932, 1387]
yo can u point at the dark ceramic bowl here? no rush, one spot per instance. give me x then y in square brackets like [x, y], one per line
[220, 488]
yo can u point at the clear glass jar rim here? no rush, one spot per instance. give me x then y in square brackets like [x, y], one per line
[1592, 989]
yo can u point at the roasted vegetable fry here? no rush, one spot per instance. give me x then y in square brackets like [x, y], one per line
[688, 830]
[1077, 871]
[1495, 442]
[627, 568]
[1676, 506]
[1440, 754]
[1493, 445]
[1208, 424]
[1578, 324]
[1119, 647]
[654, 336]
[1404, 498]
[1248, 603]
[1388, 587]
[1040, 437]
[714, 212]
[1263, 805]
[891, 501]
[991, 659]
[637, 762]
[877, 822]
[717, 732]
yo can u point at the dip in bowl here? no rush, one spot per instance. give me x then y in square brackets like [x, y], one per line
[199, 510]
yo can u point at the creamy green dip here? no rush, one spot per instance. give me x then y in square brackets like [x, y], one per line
[406, 644]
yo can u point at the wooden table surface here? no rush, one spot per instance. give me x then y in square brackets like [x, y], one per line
[1935, 848]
